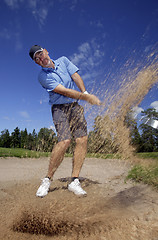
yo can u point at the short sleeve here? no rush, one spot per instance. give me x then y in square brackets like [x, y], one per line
[71, 68]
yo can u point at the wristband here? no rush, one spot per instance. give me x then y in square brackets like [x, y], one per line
[85, 92]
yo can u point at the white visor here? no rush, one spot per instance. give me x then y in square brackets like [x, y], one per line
[40, 50]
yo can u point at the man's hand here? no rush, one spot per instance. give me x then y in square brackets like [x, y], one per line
[92, 99]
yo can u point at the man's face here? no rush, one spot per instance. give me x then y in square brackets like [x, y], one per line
[42, 58]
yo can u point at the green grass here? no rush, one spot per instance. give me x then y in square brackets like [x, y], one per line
[139, 173]
[102, 155]
[147, 170]
[24, 153]
[151, 155]
[18, 152]
[147, 175]
[21, 153]
[97, 155]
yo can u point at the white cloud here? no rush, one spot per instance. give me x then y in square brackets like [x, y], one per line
[5, 33]
[70, 4]
[88, 57]
[136, 111]
[18, 42]
[44, 98]
[154, 105]
[148, 48]
[84, 48]
[10, 34]
[88, 54]
[13, 31]
[6, 118]
[24, 114]
[97, 24]
[13, 4]
[53, 128]
[38, 8]
[40, 15]
[32, 4]
[73, 5]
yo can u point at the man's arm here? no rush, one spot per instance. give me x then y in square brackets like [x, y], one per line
[92, 99]
[79, 82]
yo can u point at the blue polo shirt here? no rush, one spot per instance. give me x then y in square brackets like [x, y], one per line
[50, 78]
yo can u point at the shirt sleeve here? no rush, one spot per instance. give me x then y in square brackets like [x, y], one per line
[71, 68]
[47, 81]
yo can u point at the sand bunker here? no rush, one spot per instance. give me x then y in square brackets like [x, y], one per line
[112, 209]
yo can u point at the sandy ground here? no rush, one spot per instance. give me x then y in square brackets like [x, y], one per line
[112, 210]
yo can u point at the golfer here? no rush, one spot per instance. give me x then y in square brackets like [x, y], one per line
[59, 78]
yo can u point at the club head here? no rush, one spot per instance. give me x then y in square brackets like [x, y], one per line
[151, 122]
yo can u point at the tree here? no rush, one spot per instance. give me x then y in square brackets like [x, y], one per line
[134, 132]
[30, 142]
[149, 136]
[5, 139]
[100, 140]
[136, 140]
[150, 113]
[16, 138]
[46, 139]
[34, 136]
[24, 139]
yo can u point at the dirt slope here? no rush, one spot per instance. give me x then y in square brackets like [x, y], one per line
[112, 210]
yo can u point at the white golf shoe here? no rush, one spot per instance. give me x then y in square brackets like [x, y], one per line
[44, 188]
[76, 188]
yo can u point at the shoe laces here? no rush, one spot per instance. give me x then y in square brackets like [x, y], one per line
[45, 180]
[76, 182]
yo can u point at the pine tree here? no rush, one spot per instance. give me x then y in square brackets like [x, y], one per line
[149, 135]
[16, 138]
[24, 139]
[5, 139]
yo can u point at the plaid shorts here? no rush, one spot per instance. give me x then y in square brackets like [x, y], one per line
[69, 121]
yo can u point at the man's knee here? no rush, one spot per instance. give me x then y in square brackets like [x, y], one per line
[82, 140]
[64, 143]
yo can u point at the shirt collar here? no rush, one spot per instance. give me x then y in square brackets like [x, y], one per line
[51, 69]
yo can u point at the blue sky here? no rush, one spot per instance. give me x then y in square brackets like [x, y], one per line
[98, 36]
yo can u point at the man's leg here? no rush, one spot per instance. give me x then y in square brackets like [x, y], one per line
[55, 160]
[79, 155]
[57, 156]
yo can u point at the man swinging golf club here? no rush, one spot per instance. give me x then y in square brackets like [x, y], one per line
[59, 77]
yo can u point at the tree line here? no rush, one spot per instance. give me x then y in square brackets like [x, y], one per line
[43, 141]
[144, 138]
